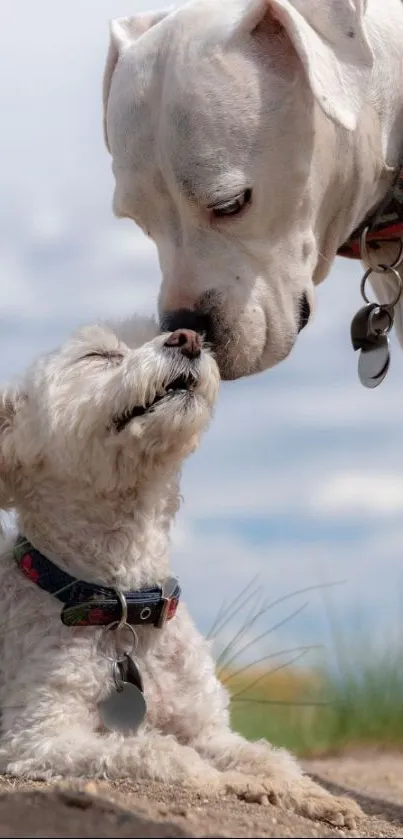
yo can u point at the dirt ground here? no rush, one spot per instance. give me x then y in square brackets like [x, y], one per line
[153, 810]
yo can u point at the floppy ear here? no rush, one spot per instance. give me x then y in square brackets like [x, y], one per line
[123, 32]
[8, 410]
[330, 39]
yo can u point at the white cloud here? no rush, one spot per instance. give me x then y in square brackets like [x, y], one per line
[15, 286]
[48, 225]
[350, 495]
[353, 494]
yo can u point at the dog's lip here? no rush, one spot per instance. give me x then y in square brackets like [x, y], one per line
[304, 313]
[183, 383]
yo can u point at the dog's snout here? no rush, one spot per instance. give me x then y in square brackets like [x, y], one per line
[187, 341]
[188, 319]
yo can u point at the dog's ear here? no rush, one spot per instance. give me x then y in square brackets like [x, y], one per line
[8, 410]
[123, 32]
[330, 39]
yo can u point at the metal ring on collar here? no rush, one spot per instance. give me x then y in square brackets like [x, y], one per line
[378, 269]
[374, 327]
[387, 269]
[123, 605]
[116, 625]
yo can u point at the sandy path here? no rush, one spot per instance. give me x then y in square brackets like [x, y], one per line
[153, 810]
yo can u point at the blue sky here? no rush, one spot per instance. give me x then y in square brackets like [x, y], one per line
[299, 479]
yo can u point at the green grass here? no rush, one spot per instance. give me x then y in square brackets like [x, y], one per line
[356, 703]
[321, 712]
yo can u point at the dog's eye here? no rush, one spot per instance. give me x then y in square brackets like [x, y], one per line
[234, 205]
[112, 356]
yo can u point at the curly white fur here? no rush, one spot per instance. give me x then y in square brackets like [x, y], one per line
[100, 503]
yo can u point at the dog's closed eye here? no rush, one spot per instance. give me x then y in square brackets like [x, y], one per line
[106, 355]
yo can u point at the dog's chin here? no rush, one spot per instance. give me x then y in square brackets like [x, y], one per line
[181, 414]
[234, 365]
[179, 408]
[169, 431]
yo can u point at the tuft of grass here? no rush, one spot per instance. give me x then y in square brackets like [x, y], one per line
[319, 709]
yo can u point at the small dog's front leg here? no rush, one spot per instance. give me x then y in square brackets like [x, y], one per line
[56, 747]
[278, 773]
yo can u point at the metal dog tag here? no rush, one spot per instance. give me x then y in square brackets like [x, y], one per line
[361, 334]
[373, 364]
[131, 673]
[369, 334]
[125, 707]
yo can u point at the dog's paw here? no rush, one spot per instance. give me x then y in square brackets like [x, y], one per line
[246, 787]
[218, 783]
[302, 796]
[316, 803]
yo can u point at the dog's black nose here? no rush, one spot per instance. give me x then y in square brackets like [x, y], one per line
[187, 319]
[187, 341]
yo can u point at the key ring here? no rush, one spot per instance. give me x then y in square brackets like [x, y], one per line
[115, 625]
[366, 257]
[385, 269]
[376, 329]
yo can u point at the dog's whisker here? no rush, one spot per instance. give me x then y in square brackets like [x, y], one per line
[329, 261]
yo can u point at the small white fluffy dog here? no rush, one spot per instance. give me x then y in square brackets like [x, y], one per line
[91, 448]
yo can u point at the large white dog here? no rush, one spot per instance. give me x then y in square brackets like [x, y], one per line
[249, 139]
[91, 446]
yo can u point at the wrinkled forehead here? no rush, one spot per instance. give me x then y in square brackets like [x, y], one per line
[210, 118]
[190, 101]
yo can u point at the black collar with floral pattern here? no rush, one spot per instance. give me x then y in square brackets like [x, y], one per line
[89, 604]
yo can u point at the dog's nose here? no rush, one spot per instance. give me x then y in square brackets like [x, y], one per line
[187, 341]
[187, 319]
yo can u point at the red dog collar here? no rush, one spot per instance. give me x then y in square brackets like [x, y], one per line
[385, 225]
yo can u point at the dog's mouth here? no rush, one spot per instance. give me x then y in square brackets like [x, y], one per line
[183, 384]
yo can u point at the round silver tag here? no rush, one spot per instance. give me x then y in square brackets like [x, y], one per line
[123, 710]
[373, 364]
